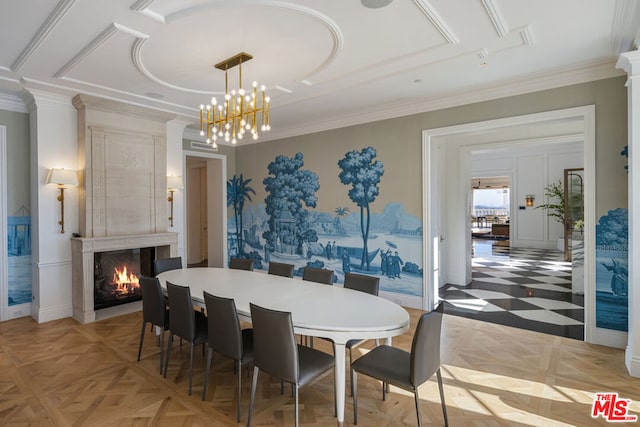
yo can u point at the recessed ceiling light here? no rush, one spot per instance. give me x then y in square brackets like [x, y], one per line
[375, 4]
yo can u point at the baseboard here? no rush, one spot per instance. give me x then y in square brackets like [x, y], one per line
[410, 301]
[20, 310]
[49, 314]
[633, 364]
[118, 310]
[606, 337]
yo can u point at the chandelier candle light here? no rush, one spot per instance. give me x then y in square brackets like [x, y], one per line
[239, 112]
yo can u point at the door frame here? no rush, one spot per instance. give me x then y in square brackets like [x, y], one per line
[212, 194]
[4, 241]
[587, 115]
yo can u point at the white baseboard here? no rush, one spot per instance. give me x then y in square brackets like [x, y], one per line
[53, 313]
[607, 337]
[403, 300]
[633, 364]
[20, 310]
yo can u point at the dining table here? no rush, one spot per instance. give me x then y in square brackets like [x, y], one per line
[317, 310]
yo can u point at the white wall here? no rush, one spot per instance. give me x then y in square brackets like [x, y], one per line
[532, 166]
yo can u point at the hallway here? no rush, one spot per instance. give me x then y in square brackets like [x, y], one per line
[519, 287]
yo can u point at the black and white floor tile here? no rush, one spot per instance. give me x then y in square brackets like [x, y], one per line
[523, 288]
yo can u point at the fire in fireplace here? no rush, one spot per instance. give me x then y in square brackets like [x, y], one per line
[116, 275]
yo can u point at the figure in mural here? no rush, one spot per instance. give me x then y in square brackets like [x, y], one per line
[384, 256]
[363, 174]
[327, 250]
[289, 186]
[238, 191]
[619, 281]
[396, 263]
[346, 262]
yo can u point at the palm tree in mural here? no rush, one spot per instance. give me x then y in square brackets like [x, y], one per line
[238, 191]
[363, 174]
[340, 212]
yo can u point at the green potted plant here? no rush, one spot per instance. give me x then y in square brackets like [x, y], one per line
[555, 206]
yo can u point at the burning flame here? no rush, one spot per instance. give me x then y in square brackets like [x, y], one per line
[125, 283]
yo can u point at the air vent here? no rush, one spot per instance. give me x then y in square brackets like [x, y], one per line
[203, 146]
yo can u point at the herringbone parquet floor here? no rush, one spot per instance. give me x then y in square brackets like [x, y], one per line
[66, 374]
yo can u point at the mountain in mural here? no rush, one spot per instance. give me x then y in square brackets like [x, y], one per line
[393, 219]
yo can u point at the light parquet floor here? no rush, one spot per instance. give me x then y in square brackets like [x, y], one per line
[66, 374]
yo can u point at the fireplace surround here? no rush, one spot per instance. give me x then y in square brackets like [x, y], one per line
[122, 158]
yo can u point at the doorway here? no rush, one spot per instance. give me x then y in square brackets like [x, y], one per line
[452, 146]
[205, 209]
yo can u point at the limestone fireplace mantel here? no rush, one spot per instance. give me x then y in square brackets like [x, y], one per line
[83, 250]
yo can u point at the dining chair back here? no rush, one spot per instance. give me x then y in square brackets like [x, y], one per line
[166, 264]
[226, 337]
[406, 370]
[362, 283]
[318, 275]
[281, 269]
[154, 311]
[366, 284]
[241, 264]
[184, 322]
[275, 351]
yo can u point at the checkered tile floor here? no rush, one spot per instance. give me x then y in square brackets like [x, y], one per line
[523, 288]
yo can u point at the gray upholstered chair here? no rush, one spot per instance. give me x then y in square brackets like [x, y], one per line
[241, 264]
[362, 283]
[281, 269]
[184, 322]
[318, 275]
[166, 264]
[406, 370]
[275, 352]
[154, 311]
[226, 337]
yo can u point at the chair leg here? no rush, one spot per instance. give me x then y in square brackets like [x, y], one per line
[418, 412]
[190, 367]
[444, 406]
[254, 384]
[240, 386]
[296, 403]
[384, 391]
[161, 349]
[166, 362]
[350, 369]
[206, 373]
[354, 389]
[141, 339]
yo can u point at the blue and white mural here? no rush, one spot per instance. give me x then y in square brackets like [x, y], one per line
[19, 272]
[288, 228]
[612, 261]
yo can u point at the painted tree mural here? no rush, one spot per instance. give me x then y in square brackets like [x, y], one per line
[238, 192]
[288, 187]
[363, 174]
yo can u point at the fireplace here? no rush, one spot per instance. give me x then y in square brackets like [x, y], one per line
[116, 274]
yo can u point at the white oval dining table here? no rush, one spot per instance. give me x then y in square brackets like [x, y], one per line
[316, 309]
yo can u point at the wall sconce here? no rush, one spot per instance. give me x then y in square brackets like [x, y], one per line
[529, 199]
[62, 177]
[173, 183]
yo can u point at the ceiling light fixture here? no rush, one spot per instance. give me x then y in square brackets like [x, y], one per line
[239, 112]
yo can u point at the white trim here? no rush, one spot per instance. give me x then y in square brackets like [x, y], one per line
[403, 300]
[4, 244]
[436, 20]
[587, 114]
[223, 172]
[53, 313]
[12, 103]
[607, 337]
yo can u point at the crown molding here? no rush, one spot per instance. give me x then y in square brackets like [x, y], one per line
[623, 28]
[580, 73]
[52, 20]
[141, 5]
[12, 103]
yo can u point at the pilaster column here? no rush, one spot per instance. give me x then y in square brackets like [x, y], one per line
[630, 62]
[53, 143]
[175, 166]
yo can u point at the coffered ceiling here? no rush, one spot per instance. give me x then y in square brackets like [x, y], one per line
[326, 64]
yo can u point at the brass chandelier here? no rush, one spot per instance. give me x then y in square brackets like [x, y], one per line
[240, 112]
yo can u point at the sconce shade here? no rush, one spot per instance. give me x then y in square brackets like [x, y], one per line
[62, 177]
[529, 199]
[174, 182]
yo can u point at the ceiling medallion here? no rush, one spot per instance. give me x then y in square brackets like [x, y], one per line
[239, 112]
